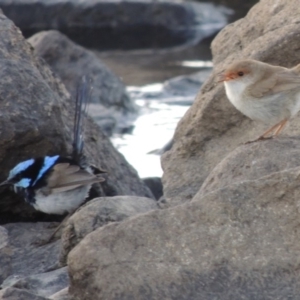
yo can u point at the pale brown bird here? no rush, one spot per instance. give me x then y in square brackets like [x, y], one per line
[263, 92]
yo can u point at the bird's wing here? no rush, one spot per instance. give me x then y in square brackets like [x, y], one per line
[283, 81]
[66, 177]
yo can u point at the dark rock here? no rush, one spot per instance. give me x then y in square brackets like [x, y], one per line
[5, 254]
[70, 62]
[186, 85]
[27, 258]
[238, 242]
[180, 90]
[37, 119]
[155, 186]
[17, 294]
[212, 127]
[45, 284]
[118, 24]
[99, 212]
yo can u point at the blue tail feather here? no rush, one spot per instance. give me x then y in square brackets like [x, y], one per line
[83, 97]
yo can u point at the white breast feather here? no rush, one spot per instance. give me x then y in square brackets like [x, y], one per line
[60, 203]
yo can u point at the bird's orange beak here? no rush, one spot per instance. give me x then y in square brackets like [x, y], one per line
[224, 76]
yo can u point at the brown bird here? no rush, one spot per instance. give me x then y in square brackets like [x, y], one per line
[263, 92]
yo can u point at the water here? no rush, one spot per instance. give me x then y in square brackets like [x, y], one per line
[144, 72]
[153, 129]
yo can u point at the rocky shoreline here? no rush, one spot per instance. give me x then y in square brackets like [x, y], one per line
[227, 224]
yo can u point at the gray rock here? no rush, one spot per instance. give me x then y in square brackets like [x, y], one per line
[238, 242]
[61, 295]
[180, 90]
[5, 254]
[37, 119]
[17, 294]
[155, 185]
[249, 162]
[117, 24]
[212, 127]
[70, 62]
[99, 212]
[27, 258]
[45, 284]
[187, 85]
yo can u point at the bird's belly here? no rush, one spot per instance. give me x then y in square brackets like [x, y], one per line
[61, 203]
[271, 110]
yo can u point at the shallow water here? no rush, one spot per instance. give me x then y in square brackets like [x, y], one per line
[153, 129]
[144, 73]
[161, 108]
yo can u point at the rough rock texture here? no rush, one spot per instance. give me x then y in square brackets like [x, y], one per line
[238, 242]
[118, 24]
[70, 62]
[45, 284]
[99, 212]
[249, 162]
[18, 294]
[27, 274]
[36, 118]
[212, 127]
[61, 295]
[27, 258]
[5, 254]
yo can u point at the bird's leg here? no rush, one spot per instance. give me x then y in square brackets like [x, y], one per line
[277, 127]
[280, 127]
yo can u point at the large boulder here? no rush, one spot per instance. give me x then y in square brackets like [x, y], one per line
[37, 119]
[212, 127]
[238, 242]
[5, 254]
[249, 162]
[70, 62]
[27, 257]
[100, 212]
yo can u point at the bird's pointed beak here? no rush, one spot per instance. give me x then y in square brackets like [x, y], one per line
[6, 182]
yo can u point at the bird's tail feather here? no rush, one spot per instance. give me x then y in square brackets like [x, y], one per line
[83, 97]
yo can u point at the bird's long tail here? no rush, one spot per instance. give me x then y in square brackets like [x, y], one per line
[83, 97]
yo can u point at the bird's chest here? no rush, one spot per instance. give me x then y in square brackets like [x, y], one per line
[60, 203]
[251, 107]
[235, 92]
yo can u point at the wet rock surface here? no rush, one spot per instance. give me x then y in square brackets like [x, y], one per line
[70, 62]
[212, 127]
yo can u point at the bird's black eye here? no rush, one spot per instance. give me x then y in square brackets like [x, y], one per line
[241, 73]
